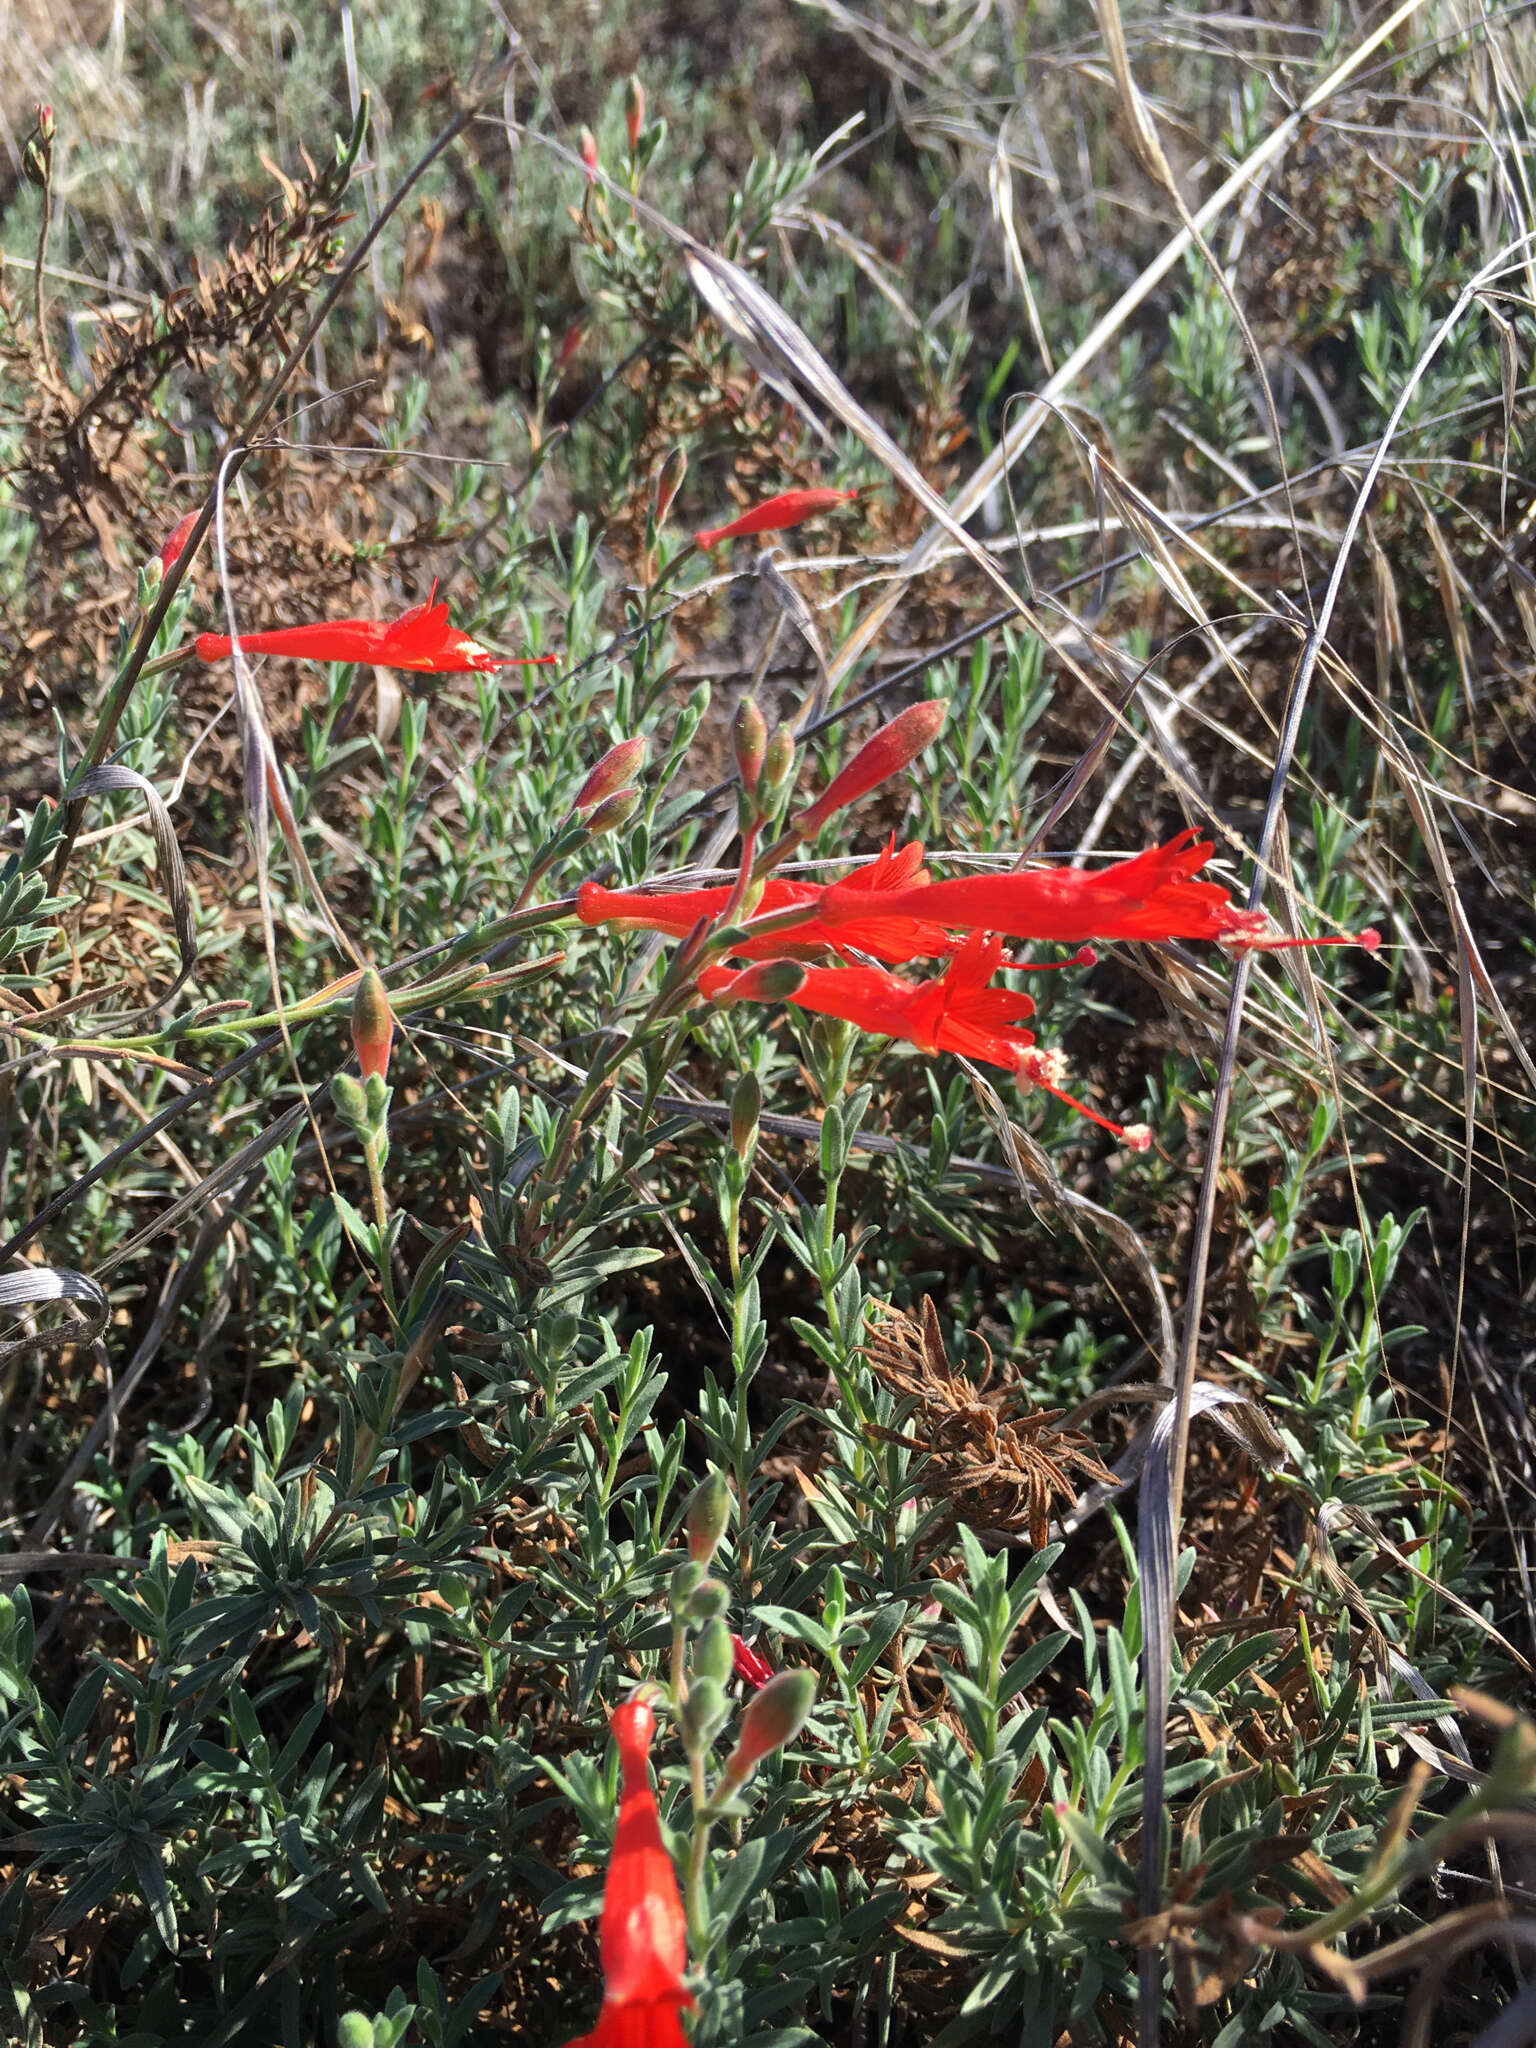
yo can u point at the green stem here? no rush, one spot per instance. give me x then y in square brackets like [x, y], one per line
[381, 1221]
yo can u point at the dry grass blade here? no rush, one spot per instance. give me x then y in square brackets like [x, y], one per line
[1035, 1176]
[1156, 1557]
[178, 1286]
[107, 781]
[240, 1163]
[1365, 1524]
[202, 1092]
[988, 474]
[1297, 697]
[37, 1286]
[787, 360]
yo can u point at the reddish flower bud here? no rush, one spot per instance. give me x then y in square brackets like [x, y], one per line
[176, 541]
[45, 122]
[778, 762]
[789, 508]
[773, 981]
[613, 811]
[774, 1717]
[612, 773]
[634, 111]
[589, 154]
[707, 1517]
[669, 481]
[570, 341]
[749, 736]
[373, 1024]
[894, 747]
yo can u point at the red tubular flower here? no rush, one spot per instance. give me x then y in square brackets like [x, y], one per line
[789, 508]
[894, 939]
[894, 747]
[957, 1012]
[644, 1932]
[752, 1669]
[420, 638]
[1150, 896]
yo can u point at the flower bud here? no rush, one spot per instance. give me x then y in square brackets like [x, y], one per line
[746, 1109]
[350, 1098]
[589, 154]
[885, 754]
[570, 341]
[774, 1717]
[373, 1025]
[778, 763]
[685, 1582]
[707, 1516]
[634, 112]
[613, 811]
[176, 540]
[708, 1600]
[713, 1656]
[773, 981]
[45, 123]
[611, 774]
[705, 1712]
[749, 736]
[669, 481]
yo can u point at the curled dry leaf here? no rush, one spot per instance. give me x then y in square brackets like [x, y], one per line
[1011, 1470]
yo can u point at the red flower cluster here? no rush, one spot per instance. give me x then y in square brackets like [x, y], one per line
[644, 1931]
[894, 912]
[957, 1012]
[420, 638]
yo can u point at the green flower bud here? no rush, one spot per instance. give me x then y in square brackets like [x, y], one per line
[746, 1109]
[685, 1581]
[714, 1657]
[634, 112]
[707, 1516]
[773, 1717]
[708, 1599]
[766, 981]
[705, 1712]
[373, 1024]
[350, 1098]
[669, 481]
[612, 773]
